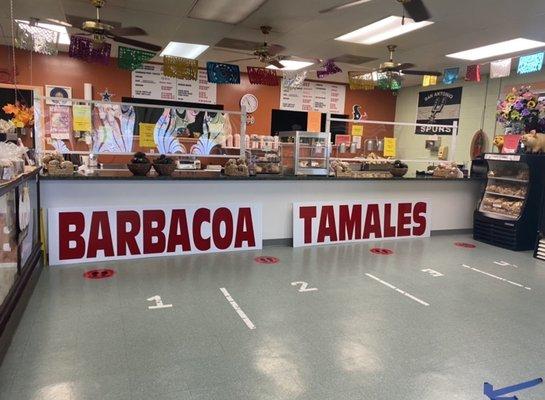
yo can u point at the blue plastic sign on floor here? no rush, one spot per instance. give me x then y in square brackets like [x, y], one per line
[496, 394]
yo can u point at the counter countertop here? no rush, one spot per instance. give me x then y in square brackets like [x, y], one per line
[126, 175]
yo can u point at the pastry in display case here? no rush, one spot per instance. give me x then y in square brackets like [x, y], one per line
[305, 153]
[508, 211]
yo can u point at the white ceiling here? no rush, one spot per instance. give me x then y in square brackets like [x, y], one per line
[297, 25]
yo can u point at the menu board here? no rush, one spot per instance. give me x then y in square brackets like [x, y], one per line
[149, 82]
[314, 96]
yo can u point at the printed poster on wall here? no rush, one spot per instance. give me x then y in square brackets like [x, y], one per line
[79, 235]
[60, 122]
[318, 223]
[441, 107]
[314, 96]
[149, 82]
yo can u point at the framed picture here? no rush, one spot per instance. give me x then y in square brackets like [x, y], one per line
[62, 92]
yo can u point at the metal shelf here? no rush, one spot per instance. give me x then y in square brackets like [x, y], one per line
[504, 216]
[506, 195]
[499, 178]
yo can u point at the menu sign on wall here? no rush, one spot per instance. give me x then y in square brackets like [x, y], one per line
[149, 82]
[314, 96]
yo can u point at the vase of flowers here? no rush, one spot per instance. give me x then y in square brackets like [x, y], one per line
[521, 111]
[23, 117]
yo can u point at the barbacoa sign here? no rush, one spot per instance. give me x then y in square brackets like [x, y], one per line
[338, 222]
[110, 233]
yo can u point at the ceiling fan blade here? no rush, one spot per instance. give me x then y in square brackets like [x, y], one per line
[274, 49]
[276, 63]
[343, 6]
[420, 73]
[135, 43]
[241, 59]
[416, 10]
[128, 31]
[58, 22]
[77, 21]
[232, 51]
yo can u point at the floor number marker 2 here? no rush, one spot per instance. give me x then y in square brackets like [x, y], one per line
[158, 303]
[304, 286]
[432, 272]
[504, 264]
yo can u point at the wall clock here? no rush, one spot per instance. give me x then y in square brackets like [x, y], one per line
[250, 102]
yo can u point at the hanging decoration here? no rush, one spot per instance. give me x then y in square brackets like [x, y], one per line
[500, 68]
[530, 63]
[429, 80]
[87, 49]
[131, 59]
[181, 68]
[37, 39]
[222, 73]
[359, 81]
[450, 75]
[389, 81]
[106, 95]
[329, 68]
[262, 76]
[293, 79]
[473, 73]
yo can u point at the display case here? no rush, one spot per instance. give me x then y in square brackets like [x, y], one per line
[509, 209]
[305, 153]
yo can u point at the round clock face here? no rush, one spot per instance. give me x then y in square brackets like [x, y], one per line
[250, 102]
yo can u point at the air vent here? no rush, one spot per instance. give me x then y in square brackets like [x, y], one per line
[238, 44]
[353, 59]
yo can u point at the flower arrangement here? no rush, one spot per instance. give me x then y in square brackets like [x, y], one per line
[521, 110]
[23, 116]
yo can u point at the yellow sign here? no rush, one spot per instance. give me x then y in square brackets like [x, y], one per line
[81, 117]
[389, 147]
[357, 130]
[146, 134]
[314, 121]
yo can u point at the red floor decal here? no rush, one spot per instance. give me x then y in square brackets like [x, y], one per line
[465, 245]
[266, 260]
[99, 273]
[381, 251]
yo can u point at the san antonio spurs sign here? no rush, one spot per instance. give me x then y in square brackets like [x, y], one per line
[440, 107]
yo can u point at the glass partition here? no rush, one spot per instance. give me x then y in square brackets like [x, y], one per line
[8, 243]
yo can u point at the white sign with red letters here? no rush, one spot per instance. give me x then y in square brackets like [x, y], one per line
[357, 221]
[79, 235]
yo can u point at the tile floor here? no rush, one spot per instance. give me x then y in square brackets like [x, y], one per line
[353, 338]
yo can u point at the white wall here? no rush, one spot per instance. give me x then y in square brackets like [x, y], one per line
[478, 110]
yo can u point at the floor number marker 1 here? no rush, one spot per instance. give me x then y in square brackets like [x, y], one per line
[304, 286]
[158, 303]
[432, 272]
[505, 264]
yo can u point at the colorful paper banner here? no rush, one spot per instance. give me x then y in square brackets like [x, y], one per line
[329, 68]
[131, 59]
[360, 81]
[293, 79]
[500, 68]
[450, 75]
[86, 49]
[262, 76]
[530, 63]
[81, 117]
[473, 73]
[181, 68]
[222, 73]
[429, 80]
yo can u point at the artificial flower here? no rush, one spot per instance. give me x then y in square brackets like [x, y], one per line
[531, 104]
[511, 98]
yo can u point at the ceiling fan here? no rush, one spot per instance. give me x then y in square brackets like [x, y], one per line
[415, 8]
[102, 30]
[400, 68]
[267, 54]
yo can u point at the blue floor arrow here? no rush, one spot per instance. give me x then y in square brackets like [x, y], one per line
[496, 394]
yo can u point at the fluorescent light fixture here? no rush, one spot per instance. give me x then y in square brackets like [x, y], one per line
[497, 49]
[291, 65]
[63, 33]
[382, 30]
[227, 11]
[186, 50]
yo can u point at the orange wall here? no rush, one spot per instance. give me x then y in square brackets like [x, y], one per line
[65, 71]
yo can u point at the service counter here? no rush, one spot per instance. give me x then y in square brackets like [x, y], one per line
[452, 200]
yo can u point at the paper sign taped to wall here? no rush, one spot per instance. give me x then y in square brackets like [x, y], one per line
[81, 117]
[357, 130]
[314, 121]
[389, 147]
[145, 132]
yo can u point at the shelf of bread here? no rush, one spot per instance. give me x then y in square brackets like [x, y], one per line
[516, 190]
[502, 206]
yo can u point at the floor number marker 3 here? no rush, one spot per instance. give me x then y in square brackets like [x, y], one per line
[158, 303]
[304, 286]
[432, 272]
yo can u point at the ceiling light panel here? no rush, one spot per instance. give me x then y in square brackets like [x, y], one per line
[227, 11]
[63, 33]
[382, 30]
[497, 49]
[291, 65]
[186, 50]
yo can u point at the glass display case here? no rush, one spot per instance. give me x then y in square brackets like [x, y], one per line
[305, 153]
